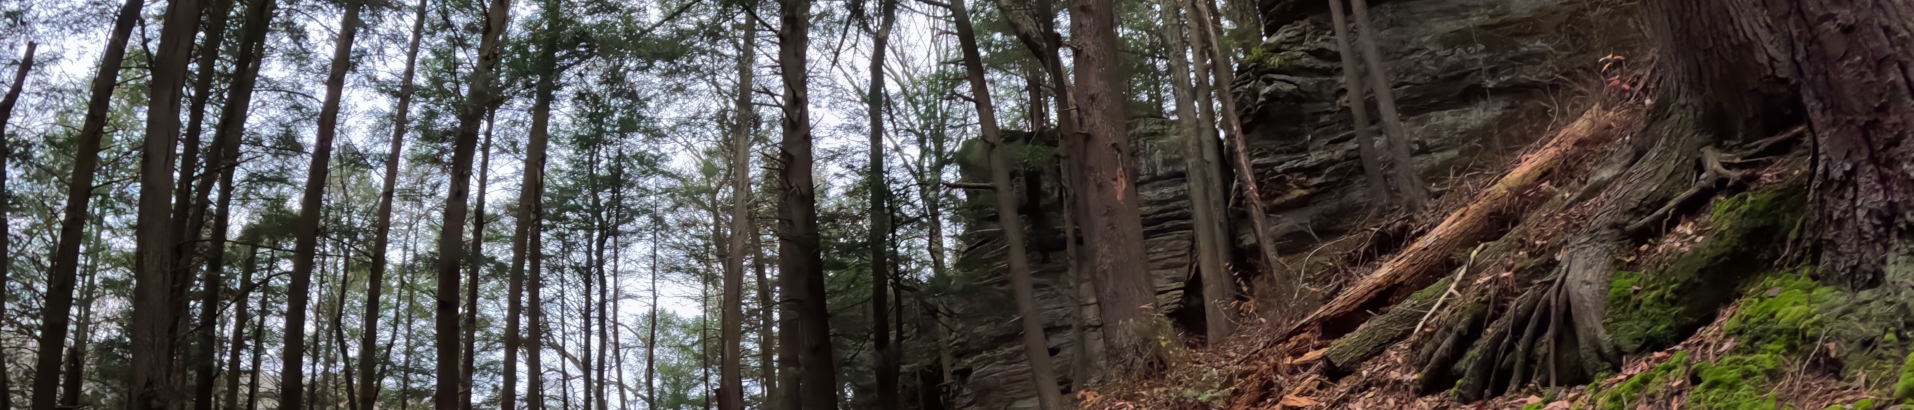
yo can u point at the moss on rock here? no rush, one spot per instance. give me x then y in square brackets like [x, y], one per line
[1904, 389]
[1657, 308]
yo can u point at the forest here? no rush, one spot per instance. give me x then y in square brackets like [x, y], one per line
[931, 205]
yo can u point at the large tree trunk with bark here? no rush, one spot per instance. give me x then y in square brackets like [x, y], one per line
[57, 304]
[1856, 70]
[800, 257]
[1036, 347]
[743, 118]
[6, 231]
[306, 228]
[157, 278]
[1112, 223]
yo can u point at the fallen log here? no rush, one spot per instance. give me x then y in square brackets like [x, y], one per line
[1470, 226]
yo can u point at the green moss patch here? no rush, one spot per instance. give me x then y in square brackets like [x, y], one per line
[1656, 308]
[1904, 389]
[1630, 392]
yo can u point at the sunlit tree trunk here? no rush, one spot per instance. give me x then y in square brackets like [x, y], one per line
[57, 304]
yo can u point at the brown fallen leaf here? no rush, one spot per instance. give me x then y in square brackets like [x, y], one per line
[1558, 405]
[1298, 401]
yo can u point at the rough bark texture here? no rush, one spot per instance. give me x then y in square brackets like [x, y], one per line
[800, 255]
[1036, 348]
[306, 228]
[156, 279]
[6, 231]
[744, 120]
[56, 308]
[1856, 70]
[1112, 224]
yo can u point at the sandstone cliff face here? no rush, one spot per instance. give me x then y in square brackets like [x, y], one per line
[1473, 78]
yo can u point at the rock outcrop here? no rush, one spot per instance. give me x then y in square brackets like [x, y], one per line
[1474, 79]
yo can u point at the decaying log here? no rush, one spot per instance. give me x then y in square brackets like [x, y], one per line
[1472, 224]
[1347, 353]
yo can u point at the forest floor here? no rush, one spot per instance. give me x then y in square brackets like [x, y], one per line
[1736, 361]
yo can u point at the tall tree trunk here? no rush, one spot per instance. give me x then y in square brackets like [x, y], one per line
[479, 97]
[1225, 76]
[731, 377]
[1035, 346]
[534, 305]
[1854, 63]
[767, 342]
[259, 351]
[191, 214]
[189, 217]
[57, 304]
[1113, 224]
[72, 380]
[306, 228]
[241, 315]
[1218, 285]
[1358, 111]
[800, 260]
[531, 189]
[477, 261]
[880, 216]
[156, 313]
[6, 231]
[382, 232]
[1407, 182]
[651, 341]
